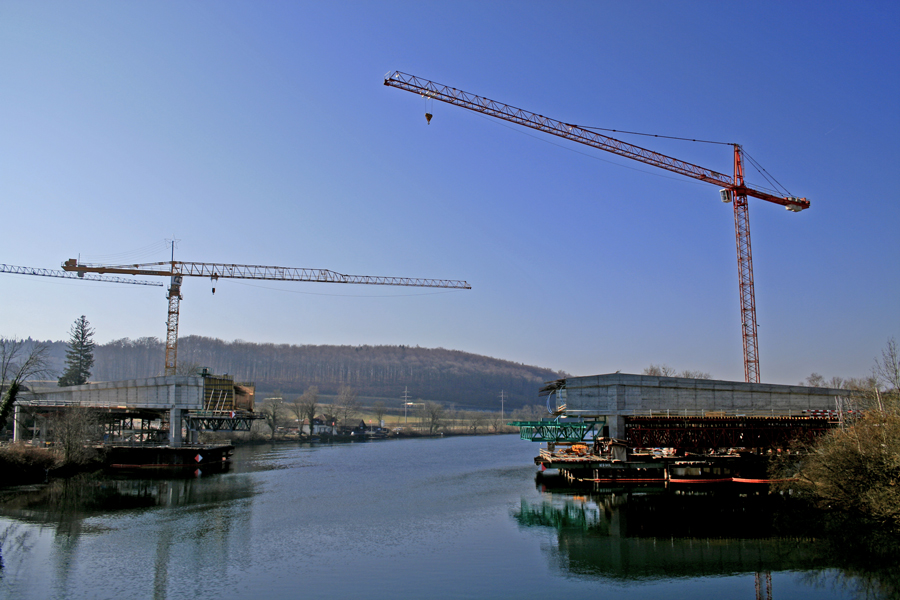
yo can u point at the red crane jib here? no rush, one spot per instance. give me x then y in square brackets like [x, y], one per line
[450, 95]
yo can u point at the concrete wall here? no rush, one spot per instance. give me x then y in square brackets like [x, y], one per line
[618, 395]
[153, 392]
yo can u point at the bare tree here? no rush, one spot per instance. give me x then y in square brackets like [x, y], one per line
[660, 371]
[346, 406]
[688, 374]
[667, 371]
[496, 421]
[306, 406]
[477, 420]
[861, 384]
[434, 416]
[74, 428]
[19, 361]
[887, 370]
[814, 380]
[189, 368]
[532, 412]
[379, 409]
[273, 410]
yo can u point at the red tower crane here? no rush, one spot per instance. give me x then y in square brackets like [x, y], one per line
[176, 271]
[733, 189]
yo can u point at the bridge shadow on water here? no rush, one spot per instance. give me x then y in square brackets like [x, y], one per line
[649, 533]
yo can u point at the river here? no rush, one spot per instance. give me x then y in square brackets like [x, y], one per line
[456, 517]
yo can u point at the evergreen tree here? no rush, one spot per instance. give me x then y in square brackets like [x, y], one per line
[80, 355]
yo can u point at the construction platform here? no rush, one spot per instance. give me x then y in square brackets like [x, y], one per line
[615, 464]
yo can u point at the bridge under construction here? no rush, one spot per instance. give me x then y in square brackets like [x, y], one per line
[155, 421]
[631, 428]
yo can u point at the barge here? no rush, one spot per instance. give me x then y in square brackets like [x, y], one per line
[164, 458]
[611, 461]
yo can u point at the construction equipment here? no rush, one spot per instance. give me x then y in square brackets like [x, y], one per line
[734, 189]
[176, 271]
[66, 275]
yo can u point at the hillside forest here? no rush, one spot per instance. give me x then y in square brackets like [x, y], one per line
[450, 377]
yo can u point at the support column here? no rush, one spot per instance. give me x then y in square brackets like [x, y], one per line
[17, 434]
[175, 421]
[175, 438]
[616, 426]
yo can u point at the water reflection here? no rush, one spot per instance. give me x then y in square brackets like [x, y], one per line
[645, 534]
[16, 542]
[67, 502]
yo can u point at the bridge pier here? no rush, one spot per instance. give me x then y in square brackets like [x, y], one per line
[175, 424]
[17, 423]
[616, 424]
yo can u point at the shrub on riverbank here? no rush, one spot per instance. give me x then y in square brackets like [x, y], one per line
[26, 464]
[855, 469]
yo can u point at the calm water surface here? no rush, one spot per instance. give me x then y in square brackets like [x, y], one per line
[457, 517]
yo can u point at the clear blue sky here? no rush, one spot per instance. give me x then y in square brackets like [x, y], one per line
[261, 133]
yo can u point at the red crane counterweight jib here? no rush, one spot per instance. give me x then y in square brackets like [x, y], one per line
[450, 95]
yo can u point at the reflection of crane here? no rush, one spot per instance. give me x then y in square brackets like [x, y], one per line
[65, 275]
[768, 585]
[176, 271]
[734, 189]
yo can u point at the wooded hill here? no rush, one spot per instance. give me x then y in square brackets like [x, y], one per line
[448, 376]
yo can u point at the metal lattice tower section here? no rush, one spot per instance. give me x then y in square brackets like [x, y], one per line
[745, 275]
[174, 297]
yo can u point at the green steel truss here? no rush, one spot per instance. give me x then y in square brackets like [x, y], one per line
[219, 421]
[558, 431]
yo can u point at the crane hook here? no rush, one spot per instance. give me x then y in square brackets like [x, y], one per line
[429, 106]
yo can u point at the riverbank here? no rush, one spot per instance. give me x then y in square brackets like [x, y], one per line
[21, 465]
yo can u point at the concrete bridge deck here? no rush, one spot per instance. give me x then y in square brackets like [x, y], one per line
[181, 400]
[616, 396]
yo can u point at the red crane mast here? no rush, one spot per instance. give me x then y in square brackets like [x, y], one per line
[733, 189]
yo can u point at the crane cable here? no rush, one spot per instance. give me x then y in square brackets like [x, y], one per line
[668, 137]
[772, 181]
[766, 175]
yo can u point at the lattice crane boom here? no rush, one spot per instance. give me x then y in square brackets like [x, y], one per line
[734, 189]
[177, 270]
[16, 270]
